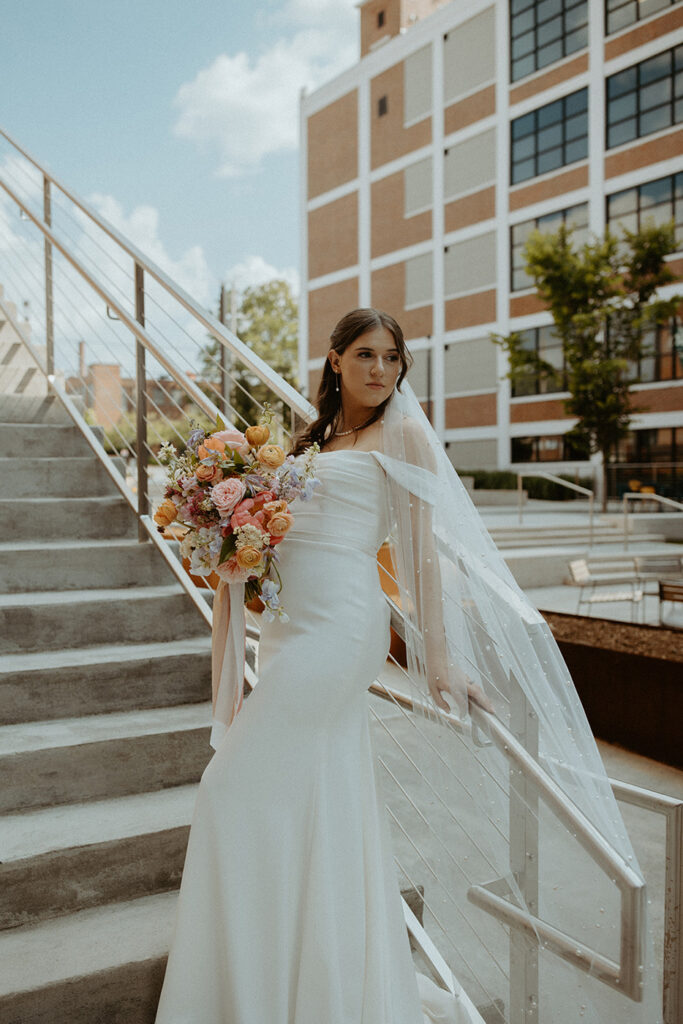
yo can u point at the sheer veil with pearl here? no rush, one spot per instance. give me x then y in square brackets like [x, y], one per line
[539, 872]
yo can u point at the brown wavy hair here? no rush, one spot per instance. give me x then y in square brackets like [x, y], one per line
[328, 399]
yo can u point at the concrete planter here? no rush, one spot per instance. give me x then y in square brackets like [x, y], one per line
[630, 680]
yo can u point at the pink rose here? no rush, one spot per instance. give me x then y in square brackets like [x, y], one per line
[231, 572]
[233, 439]
[227, 494]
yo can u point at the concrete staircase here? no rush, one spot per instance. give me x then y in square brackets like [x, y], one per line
[564, 535]
[105, 683]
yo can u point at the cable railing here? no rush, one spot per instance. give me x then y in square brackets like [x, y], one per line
[124, 347]
[564, 483]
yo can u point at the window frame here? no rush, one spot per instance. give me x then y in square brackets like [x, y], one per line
[675, 55]
[532, 8]
[621, 4]
[564, 143]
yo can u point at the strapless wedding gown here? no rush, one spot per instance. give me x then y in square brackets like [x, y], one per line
[289, 910]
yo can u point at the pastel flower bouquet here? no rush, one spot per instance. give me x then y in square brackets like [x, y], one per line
[232, 491]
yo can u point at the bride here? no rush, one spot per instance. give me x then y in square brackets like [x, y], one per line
[289, 910]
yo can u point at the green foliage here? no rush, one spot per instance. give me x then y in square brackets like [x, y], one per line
[602, 297]
[268, 322]
[536, 487]
[124, 433]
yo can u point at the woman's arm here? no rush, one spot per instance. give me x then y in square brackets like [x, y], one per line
[443, 675]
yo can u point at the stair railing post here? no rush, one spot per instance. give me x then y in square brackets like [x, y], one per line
[141, 405]
[49, 308]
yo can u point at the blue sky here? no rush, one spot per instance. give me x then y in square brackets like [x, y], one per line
[178, 120]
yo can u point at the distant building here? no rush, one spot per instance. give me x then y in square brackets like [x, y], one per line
[426, 164]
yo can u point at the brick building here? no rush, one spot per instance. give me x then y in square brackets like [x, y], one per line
[425, 165]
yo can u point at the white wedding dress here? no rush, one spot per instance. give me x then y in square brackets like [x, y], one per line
[289, 909]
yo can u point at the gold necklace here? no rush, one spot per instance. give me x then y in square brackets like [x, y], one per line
[342, 433]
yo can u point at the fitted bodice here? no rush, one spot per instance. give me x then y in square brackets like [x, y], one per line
[349, 507]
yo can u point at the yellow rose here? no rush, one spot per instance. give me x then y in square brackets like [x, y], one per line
[248, 557]
[271, 455]
[166, 513]
[279, 523]
[256, 436]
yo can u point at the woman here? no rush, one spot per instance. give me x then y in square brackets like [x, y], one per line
[289, 910]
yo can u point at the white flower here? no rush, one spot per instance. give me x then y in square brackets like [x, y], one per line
[250, 535]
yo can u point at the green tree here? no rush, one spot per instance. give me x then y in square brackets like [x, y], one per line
[603, 297]
[268, 322]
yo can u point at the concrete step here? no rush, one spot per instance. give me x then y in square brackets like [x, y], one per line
[52, 620]
[94, 757]
[32, 409]
[60, 476]
[541, 540]
[41, 439]
[51, 518]
[72, 682]
[62, 859]
[63, 564]
[104, 965]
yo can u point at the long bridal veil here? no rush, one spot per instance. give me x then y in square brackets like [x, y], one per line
[533, 873]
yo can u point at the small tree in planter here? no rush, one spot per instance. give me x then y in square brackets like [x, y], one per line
[603, 297]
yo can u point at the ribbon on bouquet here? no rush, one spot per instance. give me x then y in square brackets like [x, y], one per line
[228, 652]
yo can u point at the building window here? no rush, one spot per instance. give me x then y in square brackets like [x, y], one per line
[543, 31]
[661, 356]
[645, 98]
[547, 346]
[547, 448]
[575, 217]
[550, 137]
[382, 106]
[380, 19]
[655, 202]
[620, 13]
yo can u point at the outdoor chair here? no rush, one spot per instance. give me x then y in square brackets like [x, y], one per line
[673, 592]
[604, 588]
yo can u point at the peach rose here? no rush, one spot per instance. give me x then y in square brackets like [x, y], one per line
[275, 506]
[227, 494]
[256, 436]
[208, 474]
[210, 447]
[231, 572]
[271, 455]
[280, 523]
[166, 513]
[232, 439]
[248, 557]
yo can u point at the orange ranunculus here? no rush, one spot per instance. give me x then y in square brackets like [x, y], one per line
[166, 513]
[256, 436]
[211, 445]
[248, 557]
[279, 523]
[271, 455]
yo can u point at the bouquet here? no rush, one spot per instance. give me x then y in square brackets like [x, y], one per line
[232, 491]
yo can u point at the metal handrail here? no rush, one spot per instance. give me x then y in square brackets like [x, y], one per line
[636, 495]
[564, 483]
[295, 401]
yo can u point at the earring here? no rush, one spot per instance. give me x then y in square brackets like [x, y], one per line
[336, 381]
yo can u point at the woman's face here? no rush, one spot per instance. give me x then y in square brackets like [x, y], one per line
[369, 367]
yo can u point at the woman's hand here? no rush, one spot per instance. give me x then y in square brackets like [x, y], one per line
[438, 684]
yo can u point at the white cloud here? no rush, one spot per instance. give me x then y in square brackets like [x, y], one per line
[141, 227]
[254, 270]
[246, 107]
